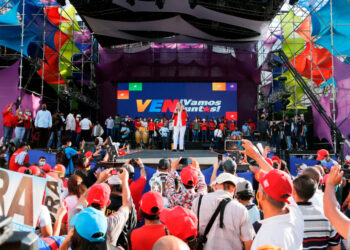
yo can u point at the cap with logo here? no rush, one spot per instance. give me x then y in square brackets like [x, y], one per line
[152, 203]
[321, 154]
[91, 224]
[225, 177]
[189, 176]
[99, 194]
[181, 222]
[276, 183]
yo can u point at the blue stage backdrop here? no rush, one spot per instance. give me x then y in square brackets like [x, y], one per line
[214, 99]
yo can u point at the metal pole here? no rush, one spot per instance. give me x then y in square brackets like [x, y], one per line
[59, 64]
[333, 87]
[43, 61]
[22, 42]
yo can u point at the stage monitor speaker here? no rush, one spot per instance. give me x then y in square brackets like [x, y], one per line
[21, 241]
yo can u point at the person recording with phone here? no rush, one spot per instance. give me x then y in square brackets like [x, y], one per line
[179, 117]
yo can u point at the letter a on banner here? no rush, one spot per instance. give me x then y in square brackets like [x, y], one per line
[19, 200]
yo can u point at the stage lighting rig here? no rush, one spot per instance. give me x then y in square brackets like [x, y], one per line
[193, 3]
[160, 3]
[131, 2]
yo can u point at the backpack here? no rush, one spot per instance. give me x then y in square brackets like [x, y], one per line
[202, 239]
[61, 157]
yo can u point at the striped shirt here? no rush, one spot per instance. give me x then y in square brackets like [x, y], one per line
[318, 231]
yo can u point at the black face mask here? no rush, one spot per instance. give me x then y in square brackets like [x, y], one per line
[275, 165]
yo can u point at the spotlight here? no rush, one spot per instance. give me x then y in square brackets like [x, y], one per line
[160, 3]
[193, 3]
[131, 2]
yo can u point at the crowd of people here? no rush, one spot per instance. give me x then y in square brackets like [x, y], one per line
[107, 209]
[45, 130]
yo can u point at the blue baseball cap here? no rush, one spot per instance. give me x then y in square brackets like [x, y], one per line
[91, 224]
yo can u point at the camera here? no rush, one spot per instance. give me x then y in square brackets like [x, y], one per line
[116, 171]
[133, 162]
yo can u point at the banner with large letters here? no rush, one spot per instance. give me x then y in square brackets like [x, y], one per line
[214, 99]
[21, 197]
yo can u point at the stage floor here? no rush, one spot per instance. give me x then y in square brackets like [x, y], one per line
[151, 157]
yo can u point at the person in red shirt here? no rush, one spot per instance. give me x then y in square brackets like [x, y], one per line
[151, 129]
[204, 129]
[137, 123]
[77, 130]
[8, 123]
[143, 238]
[19, 158]
[136, 186]
[252, 128]
[212, 126]
[27, 125]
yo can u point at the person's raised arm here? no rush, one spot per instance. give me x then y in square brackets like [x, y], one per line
[215, 171]
[61, 212]
[253, 152]
[330, 205]
[142, 167]
[126, 196]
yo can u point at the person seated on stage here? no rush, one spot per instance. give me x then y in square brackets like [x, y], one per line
[158, 180]
[164, 131]
[125, 132]
[19, 157]
[193, 184]
[236, 134]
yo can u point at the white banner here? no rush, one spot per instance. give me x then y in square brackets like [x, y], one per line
[53, 197]
[21, 197]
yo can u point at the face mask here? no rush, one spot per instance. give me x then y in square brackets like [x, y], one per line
[27, 113]
[20, 113]
[42, 163]
[69, 144]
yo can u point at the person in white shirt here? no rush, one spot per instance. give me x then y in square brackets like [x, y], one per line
[230, 230]
[43, 122]
[317, 198]
[70, 124]
[179, 117]
[97, 131]
[158, 180]
[44, 226]
[85, 125]
[218, 137]
[109, 125]
[283, 224]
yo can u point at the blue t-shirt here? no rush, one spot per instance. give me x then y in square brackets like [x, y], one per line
[69, 154]
[328, 164]
[246, 129]
[44, 243]
[164, 131]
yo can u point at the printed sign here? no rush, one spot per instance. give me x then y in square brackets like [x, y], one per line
[217, 99]
[21, 197]
[53, 197]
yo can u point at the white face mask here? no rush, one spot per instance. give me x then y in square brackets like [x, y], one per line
[69, 144]
[42, 163]
[27, 113]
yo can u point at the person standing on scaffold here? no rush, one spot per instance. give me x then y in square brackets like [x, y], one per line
[179, 117]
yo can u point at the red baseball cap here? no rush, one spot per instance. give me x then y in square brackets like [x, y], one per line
[152, 203]
[89, 154]
[276, 158]
[21, 170]
[321, 154]
[46, 167]
[181, 222]
[269, 161]
[99, 194]
[276, 183]
[35, 170]
[189, 176]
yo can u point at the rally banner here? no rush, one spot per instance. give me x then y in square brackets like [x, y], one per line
[53, 197]
[211, 100]
[21, 197]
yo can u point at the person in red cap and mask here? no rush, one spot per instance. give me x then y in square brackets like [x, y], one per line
[8, 123]
[143, 238]
[192, 180]
[326, 161]
[97, 196]
[283, 223]
[19, 158]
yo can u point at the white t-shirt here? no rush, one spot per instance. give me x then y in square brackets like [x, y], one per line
[179, 121]
[72, 201]
[85, 124]
[317, 199]
[44, 219]
[218, 133]
[285, 231]
[157, 183]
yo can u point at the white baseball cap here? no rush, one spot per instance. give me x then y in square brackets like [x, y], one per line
[114, 180]
[226, 177]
